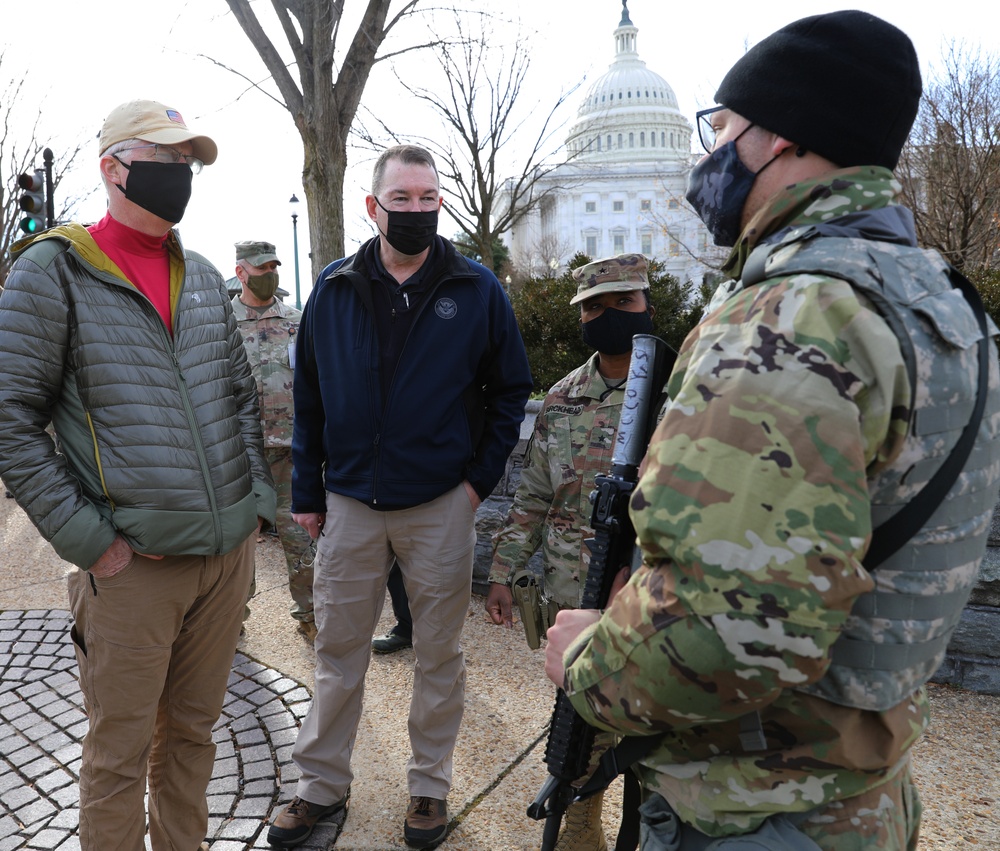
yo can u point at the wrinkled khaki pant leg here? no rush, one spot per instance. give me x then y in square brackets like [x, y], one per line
[155, 645]
[434, 544]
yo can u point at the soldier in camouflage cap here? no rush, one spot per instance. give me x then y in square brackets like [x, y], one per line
[572, 443]
[813, 400]
[269, 327]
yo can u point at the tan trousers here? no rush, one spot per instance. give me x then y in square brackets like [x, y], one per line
[155, 645]
[434, 545]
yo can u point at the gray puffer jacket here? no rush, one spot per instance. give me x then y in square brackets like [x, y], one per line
[158, 437]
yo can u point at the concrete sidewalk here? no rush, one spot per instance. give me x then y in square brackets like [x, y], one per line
[498, 760]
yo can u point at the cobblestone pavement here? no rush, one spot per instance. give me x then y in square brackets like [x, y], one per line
[42, 724]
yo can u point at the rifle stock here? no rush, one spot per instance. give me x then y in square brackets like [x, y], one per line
[571, 739]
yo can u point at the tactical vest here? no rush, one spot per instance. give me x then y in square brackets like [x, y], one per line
[896, 635]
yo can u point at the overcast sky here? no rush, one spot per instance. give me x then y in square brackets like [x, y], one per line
[99, 55]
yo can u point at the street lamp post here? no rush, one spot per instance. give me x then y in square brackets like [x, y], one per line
[295, 248]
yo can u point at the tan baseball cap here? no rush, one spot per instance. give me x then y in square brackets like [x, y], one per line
[256, 253]
[151, 121]
[620, 274]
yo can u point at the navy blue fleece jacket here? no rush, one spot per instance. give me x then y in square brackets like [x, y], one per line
[451, 410]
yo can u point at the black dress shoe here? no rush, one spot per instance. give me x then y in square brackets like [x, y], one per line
[391, 643]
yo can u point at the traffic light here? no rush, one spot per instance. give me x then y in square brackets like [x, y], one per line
[32, 201]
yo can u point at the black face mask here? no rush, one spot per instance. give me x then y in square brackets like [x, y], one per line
[611, 333]
[718, 187]
[410, 232]
[163, 189]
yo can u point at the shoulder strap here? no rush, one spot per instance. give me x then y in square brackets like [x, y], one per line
[892, 534]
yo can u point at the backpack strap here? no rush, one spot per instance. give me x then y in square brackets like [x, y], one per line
[893, 533]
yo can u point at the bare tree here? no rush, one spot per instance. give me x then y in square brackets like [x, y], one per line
[20, 152]
[543, 256]
[677, 220]
[950, 167]
[324, 100]
[479, 96]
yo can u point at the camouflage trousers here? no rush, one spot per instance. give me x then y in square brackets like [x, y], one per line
[886, 818]
[295, 541]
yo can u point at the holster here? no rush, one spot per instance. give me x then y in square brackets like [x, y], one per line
[537, 613]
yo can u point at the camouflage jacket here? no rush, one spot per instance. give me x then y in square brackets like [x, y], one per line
[269, 339]
[753, 515]
[572, 443]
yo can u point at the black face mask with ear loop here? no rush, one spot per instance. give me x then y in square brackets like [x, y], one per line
[718, 187]
[611, 333]
[410, 232]
[163, 189]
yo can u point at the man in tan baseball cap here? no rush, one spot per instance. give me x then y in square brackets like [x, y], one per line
[142, 143]
[161, 484]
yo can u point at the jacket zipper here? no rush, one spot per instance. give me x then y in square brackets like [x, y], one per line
[428, 297]
[97, 460]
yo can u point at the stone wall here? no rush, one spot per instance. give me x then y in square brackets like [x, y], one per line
[973, 660]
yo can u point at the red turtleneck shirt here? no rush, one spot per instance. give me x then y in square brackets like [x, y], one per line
[143, 259]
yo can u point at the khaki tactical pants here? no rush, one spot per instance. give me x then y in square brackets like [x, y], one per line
[434, 546]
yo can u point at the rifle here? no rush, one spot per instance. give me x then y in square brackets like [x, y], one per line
[571, 739]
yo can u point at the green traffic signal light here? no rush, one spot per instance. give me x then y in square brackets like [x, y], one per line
[32, 201]
[30, 224]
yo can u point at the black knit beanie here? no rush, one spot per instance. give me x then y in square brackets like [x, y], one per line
[845, 85]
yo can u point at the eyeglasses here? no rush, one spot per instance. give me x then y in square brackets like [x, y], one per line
[427, 203]
[166, 154]
[706, 132]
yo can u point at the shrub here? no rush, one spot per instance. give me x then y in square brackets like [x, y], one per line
[987, 281]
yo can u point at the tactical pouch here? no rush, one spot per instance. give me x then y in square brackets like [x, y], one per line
[537, 613]
[662, 830]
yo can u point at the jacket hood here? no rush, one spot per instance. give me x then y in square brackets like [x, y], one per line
[73, 233]
[78, 239]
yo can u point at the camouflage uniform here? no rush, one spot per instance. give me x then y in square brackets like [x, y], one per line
[269, 338]
[572, 443]
[753, 514]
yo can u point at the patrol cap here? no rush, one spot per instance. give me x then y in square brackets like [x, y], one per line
[151, 121]
[620, 274]
[256, 253]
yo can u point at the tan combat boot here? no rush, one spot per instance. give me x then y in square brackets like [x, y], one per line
[582, 829]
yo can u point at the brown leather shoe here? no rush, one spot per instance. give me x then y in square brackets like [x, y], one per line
[426, 822]
[293, 824]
